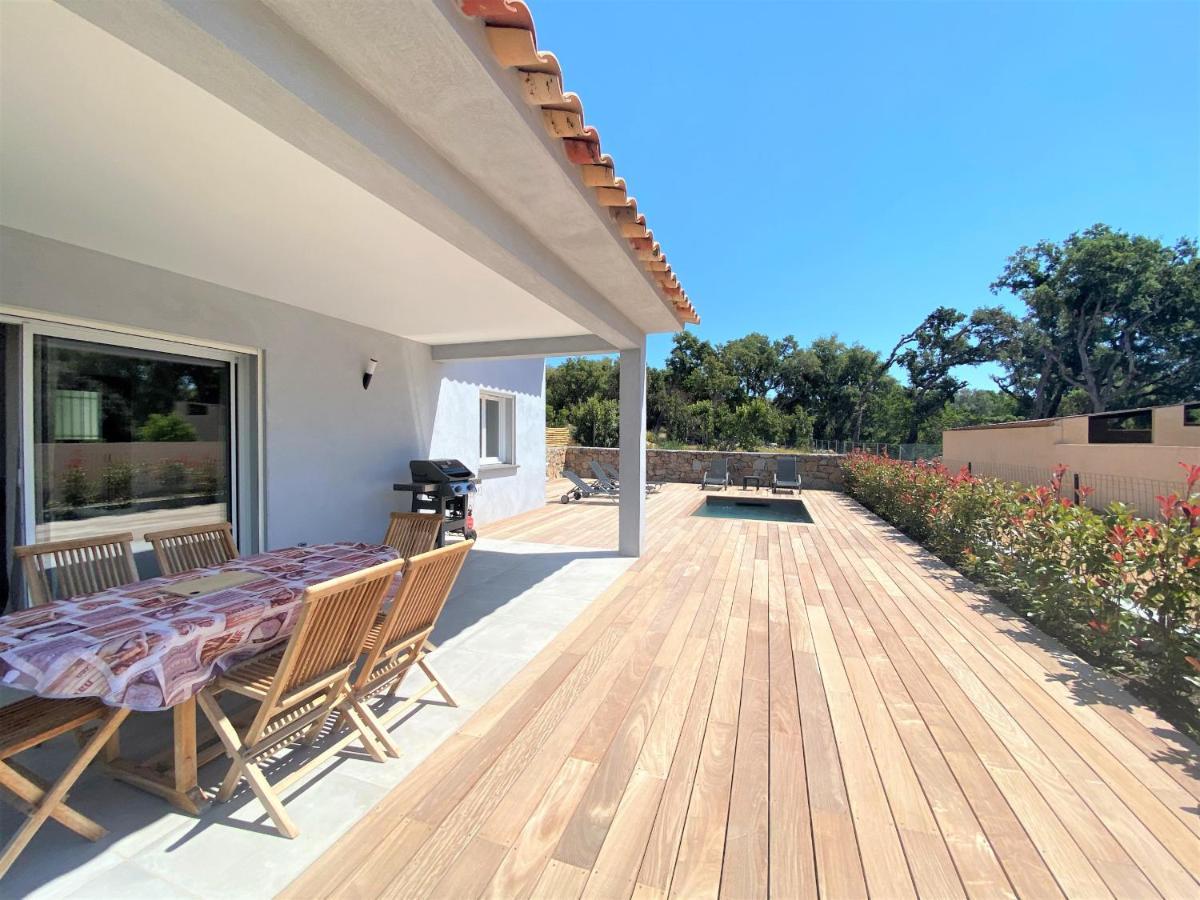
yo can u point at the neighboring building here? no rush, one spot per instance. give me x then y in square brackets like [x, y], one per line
[214, 215]
[1137, 445]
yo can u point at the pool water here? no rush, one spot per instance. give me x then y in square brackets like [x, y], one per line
[755, 510]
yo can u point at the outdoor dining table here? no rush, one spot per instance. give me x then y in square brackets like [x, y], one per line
[141, 647]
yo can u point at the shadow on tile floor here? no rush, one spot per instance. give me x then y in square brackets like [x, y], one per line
[511, 599]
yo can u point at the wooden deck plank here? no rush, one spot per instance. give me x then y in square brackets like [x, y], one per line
[459, 813]
[662, 848]
[905, 737]
[530, 850]
[1109, 837]
[785, 710]
[744, 873]
[1030, 785]
[792, 870]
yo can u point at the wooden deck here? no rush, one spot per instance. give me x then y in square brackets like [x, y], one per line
[787, 710]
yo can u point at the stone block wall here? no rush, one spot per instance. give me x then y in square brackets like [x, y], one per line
[555, 462]
[822, 471]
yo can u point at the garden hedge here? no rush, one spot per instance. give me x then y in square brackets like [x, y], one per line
[1121, 590]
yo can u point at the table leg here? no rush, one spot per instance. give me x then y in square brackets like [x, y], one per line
[185, 774]
[178, 785]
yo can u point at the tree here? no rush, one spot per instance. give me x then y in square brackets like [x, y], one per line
[701, 371]
[945, 340]
[596, 422]
[969, 407]
[1114, 315]
[755, 361]
[829, 380]
[577, 379]
[753, 424]
[1110, 320]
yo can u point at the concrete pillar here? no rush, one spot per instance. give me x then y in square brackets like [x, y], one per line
[632, 514]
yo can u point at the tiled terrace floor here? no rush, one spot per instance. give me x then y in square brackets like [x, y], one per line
[511, 599]
[789, 710]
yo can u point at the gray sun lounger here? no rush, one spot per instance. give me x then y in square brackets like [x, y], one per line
[787, 475]
[583, 489]
[607, 479]
[717, 474]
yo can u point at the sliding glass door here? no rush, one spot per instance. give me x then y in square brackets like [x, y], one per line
[128, 439]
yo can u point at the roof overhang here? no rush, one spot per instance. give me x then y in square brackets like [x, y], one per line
[262, 149]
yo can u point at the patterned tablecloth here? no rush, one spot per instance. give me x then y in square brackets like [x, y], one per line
[140, 647]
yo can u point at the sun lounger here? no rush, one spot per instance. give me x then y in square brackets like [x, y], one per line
[787, 475]
[583, 489]
[606, 481]
[716, 474]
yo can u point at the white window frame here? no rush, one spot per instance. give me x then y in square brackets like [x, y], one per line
[507, 438]
[245, 430]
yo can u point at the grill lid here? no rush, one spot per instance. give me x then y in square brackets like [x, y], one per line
[439, 471]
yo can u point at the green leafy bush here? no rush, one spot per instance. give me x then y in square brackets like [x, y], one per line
[206, 479]
[173, 476]
[116, 483]
[77, 489]
[168, 427]
[1122, 590]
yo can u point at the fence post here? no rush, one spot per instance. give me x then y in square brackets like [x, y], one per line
[969, 470]
[1075, 478]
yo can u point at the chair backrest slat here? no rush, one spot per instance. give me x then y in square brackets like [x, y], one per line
[182, 549]
[579, 483]
[786, 468]
[720, 467]
[427, 582]
[332, 627]
[80, 566]
[411, 534]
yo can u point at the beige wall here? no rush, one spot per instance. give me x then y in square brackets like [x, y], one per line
[1030, 452]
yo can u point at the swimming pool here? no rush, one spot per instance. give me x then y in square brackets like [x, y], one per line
[754, 509]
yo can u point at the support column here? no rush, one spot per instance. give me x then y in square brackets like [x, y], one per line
[632, 514]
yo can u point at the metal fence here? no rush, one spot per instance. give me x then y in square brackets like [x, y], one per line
[895, 451]
[1095, 490]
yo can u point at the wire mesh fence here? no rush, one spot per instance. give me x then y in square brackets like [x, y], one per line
[1095, 490]
[895, 451]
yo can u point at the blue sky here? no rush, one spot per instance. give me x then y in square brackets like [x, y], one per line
[818, 168]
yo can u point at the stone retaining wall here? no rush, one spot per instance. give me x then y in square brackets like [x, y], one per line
[555, 462]
[817, 470]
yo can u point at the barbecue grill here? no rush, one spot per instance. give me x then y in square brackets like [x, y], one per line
[443, 487]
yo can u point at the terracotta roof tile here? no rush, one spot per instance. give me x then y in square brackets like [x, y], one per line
[513, 40]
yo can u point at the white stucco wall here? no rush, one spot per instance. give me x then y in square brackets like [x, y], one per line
[331, 450]
[505, 491]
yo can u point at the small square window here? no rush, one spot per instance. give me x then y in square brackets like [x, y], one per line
[497, 414]
[1191, 414]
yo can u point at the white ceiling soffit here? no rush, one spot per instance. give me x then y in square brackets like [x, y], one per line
[102, 147]
[431, 66]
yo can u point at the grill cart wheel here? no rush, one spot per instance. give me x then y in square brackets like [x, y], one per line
[470, 534]
[578, 495]
[564, 499]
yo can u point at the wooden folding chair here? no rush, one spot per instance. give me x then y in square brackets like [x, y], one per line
[300, 684]
[33, 721]
[80, 566]
[411, 534]
[181, 549]
[397, 640]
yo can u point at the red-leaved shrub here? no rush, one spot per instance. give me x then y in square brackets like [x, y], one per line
[1122, 590]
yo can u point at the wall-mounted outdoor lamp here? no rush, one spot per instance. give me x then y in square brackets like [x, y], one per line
[369, 372]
